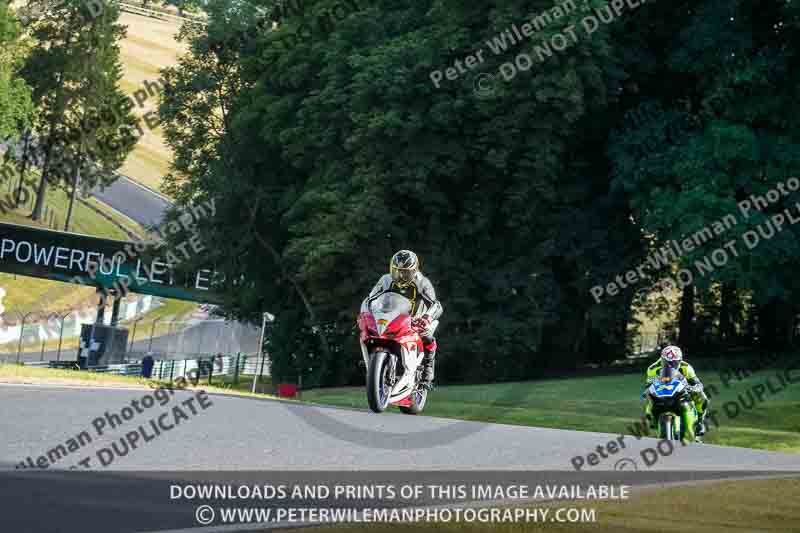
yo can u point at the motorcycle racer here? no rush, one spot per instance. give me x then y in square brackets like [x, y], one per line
[406, 279]
[672, 357]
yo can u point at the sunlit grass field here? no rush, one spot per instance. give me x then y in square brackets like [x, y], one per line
[608, 404]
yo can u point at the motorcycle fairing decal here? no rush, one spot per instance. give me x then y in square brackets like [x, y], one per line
[410, 354]
[666, 389]
[398, 325]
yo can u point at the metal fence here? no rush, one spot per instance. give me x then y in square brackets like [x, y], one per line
[165, 337]
[184, 339]
[231, 366]
[161, 13]
[199, 369]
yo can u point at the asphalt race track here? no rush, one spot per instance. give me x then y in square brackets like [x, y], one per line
[243, 433]
[264, 441]
[133, 200]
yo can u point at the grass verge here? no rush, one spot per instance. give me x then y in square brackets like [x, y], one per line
[728, 506]
[608, 404]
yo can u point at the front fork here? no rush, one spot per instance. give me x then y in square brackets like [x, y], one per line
[392, 362]
[364, 354]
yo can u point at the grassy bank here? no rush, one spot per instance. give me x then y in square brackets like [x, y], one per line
[84, 219]
[729, 506]
[607, 404]
[149, 46]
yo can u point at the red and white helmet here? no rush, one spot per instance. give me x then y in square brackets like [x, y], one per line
[672, 356]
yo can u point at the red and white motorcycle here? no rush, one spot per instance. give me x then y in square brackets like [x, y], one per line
[393, 351]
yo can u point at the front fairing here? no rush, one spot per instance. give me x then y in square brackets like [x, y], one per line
[669, 391]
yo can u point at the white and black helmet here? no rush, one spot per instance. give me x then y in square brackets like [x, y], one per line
[404, 267]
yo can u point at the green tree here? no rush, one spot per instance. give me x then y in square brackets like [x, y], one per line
[327, 156]
[725, 129]
[74, 69]
[16, 108]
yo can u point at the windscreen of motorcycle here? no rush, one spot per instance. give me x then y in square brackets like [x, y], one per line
[387, 307]
[668, 383]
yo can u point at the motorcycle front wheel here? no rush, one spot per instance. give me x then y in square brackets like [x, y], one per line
[666, 429]
[378, 381]
[418, 399]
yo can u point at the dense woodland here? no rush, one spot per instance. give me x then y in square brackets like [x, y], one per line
[327, 148]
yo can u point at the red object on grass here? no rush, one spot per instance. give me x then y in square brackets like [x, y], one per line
[405, 402]
[287, 390]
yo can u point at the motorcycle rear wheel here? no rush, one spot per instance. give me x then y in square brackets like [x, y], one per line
[378, 390]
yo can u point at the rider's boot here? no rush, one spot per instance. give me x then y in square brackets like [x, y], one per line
[702, 408]
[700, 425]
[428, 362]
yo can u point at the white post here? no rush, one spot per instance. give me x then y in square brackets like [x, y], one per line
[260, 347]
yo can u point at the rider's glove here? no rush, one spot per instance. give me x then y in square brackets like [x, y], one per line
[422, 323]
[697, 387]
